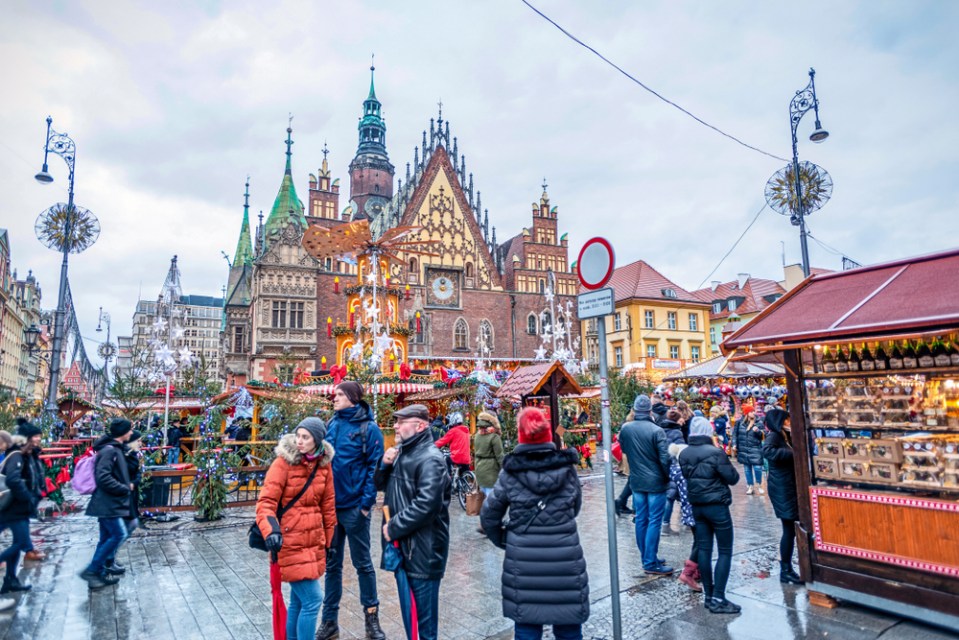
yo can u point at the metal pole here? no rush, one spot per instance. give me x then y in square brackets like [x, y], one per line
[58, 328]
[800, 212]
[610, 491]
[166, 376]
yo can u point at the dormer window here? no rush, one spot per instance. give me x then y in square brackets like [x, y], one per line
[717, 307]
[732, 304]
[669, 293]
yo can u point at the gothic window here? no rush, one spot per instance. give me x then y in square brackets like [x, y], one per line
[486, 333]
[413, 266]
[547, 321]
[542, 286]
[237, 340]
[461, 335]
[279, 314]
[531, 324]
[296, 315]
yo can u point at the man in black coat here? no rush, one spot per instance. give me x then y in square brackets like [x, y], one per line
[644, 445]
[110, 503]
[24, 473]
[417, 486]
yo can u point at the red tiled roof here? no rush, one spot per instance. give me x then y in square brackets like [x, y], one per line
[754, 290]
[639, 280]
[527, 380]
[915, 293]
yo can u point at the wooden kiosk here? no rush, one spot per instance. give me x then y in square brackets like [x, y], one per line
[544, 382]
[872, 368]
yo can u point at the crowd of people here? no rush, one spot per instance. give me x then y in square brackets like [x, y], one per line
[320, 492]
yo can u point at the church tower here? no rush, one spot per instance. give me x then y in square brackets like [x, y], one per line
[371, 174]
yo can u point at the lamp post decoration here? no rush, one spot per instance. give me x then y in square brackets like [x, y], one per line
[65, 228]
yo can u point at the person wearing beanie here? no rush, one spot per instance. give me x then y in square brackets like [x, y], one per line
[781, 485]
[358, 443]
[488, 448]
[416, 517]
[645, 446]
[545, 581]
[302, 466]
[747, 446]
[674, 435]
[110, 502]
[709, 474]
[131, 455]
[24, 474]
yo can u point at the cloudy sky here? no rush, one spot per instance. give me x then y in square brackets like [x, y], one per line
[173, 104]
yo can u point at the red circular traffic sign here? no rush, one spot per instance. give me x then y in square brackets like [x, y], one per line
[596, 263]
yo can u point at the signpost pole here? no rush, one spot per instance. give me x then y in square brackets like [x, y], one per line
[608, 472]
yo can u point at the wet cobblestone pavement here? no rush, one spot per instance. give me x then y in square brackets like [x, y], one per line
[187, 580]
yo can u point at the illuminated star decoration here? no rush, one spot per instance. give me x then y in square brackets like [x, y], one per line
[160, 325]
[540, 353]
[186, 357]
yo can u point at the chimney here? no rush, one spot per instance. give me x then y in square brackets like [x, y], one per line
[714, 285]
[743, 277]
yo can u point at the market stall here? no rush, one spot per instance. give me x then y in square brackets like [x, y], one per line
[541, 385]
[872, 369]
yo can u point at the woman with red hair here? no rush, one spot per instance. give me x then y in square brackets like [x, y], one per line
[544, 571]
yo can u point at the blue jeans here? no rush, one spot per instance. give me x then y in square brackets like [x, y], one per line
[112, 534]
[21, 544]
[353, 526]
[649, 509]
[305, 599]
[560, 631]
[426, 593]
[173, 455]
[754, 473]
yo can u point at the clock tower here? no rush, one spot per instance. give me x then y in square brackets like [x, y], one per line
[371, 174]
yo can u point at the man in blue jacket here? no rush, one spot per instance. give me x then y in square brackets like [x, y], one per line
[644, 445]
[358, 443]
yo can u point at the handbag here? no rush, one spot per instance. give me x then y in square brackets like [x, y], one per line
[6, 496]
[474, 502]
[255, 536]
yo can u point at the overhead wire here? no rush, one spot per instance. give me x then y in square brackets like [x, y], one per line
[647, 88]
[735, 244]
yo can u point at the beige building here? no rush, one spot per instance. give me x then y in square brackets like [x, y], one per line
[201, 320]
[658, 327]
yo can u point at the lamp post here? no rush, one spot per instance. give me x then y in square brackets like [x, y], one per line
[67, 229]
[105, 350]
[804, 101]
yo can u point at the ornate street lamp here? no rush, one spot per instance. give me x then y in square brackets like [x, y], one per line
[31, 336]
[804, 101]
[106, 350]
[65, 228]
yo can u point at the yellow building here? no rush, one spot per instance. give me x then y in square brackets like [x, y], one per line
[658, 327]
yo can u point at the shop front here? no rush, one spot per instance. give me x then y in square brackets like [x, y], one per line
[872, 369]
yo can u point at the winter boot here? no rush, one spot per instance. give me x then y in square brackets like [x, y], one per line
[722, 605]
[787, 575]
[329, 631]
[686, 577]
[373, 630]
[114, 568]
[13, 584]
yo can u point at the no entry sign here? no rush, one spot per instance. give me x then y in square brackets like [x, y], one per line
[595, 264]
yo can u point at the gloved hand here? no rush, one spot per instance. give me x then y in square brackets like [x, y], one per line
[274, 542]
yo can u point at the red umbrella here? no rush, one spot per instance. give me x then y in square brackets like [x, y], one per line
[279, 607]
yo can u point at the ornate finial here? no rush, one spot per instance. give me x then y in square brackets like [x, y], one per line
[326, 150]
[261, 217]
[246, 195]
[416, 156]
[407, 171]
[372, 62]
[289, 143]
[544, 185]
[440, 103]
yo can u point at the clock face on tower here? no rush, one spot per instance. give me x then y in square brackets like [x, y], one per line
[374, 206]
[442, 287]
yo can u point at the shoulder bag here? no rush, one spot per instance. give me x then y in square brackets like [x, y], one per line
[6, 496]
[255, 536]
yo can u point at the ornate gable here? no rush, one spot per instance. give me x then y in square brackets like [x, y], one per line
[440, 206]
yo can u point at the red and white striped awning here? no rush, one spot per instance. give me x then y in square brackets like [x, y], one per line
[384, 388]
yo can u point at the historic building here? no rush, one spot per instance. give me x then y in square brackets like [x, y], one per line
[472, 290]
[738, 301]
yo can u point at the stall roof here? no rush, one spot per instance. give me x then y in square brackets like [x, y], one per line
[911, 294]
[723, 367]
[525, 381]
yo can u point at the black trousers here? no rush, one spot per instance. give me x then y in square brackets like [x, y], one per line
[714, 521]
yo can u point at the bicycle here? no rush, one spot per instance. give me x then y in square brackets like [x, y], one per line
[463, 483]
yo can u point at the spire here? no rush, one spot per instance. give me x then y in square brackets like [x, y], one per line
[243, 256]
[287, 207]
[544, 199]
[325, 167]
[372, 128]
[372, 95]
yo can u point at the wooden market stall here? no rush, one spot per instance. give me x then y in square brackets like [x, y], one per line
[544, 382]
[872, 369]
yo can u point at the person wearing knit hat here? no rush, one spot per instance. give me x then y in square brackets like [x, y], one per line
[358, 442]
[544, 572]
[131, 455]
[488, 450]
[24, 474]
[110, 502]
[315, 427]
[709, 474]
[644, 444]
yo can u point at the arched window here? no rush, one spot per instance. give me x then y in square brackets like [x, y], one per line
[531, 325]
[547, 321]
[414, 266]
[559, 320]
[469, 269]
[461, 335]
[486, 333]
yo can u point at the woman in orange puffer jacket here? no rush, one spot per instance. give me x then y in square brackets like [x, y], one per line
[301, 537]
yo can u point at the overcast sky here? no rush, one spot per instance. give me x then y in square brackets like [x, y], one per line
[173, 104]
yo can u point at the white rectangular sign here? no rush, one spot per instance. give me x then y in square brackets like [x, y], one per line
[595, 304]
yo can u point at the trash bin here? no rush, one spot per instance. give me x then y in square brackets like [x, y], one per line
[158, 493]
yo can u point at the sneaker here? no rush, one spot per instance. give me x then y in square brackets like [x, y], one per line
[94, 581]
[749, 490]
[14, 584]
[762, 491]
[329, 631]
[115, 570]
[721, 605]
[661, 569]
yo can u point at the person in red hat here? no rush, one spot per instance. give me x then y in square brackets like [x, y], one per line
[544, 572]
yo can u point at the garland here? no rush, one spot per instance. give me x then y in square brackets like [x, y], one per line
[394, 329]
[362, 289]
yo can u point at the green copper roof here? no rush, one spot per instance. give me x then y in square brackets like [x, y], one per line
[244, 246]
[372, 95]
[287, 206]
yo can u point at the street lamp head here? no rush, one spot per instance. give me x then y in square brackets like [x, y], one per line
[44, 176]
[31, 335]
[820, 134]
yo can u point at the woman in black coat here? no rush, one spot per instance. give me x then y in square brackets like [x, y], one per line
[544, 571]
[709, 474]
[782, 488]
[748, 449]
[24, 474]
